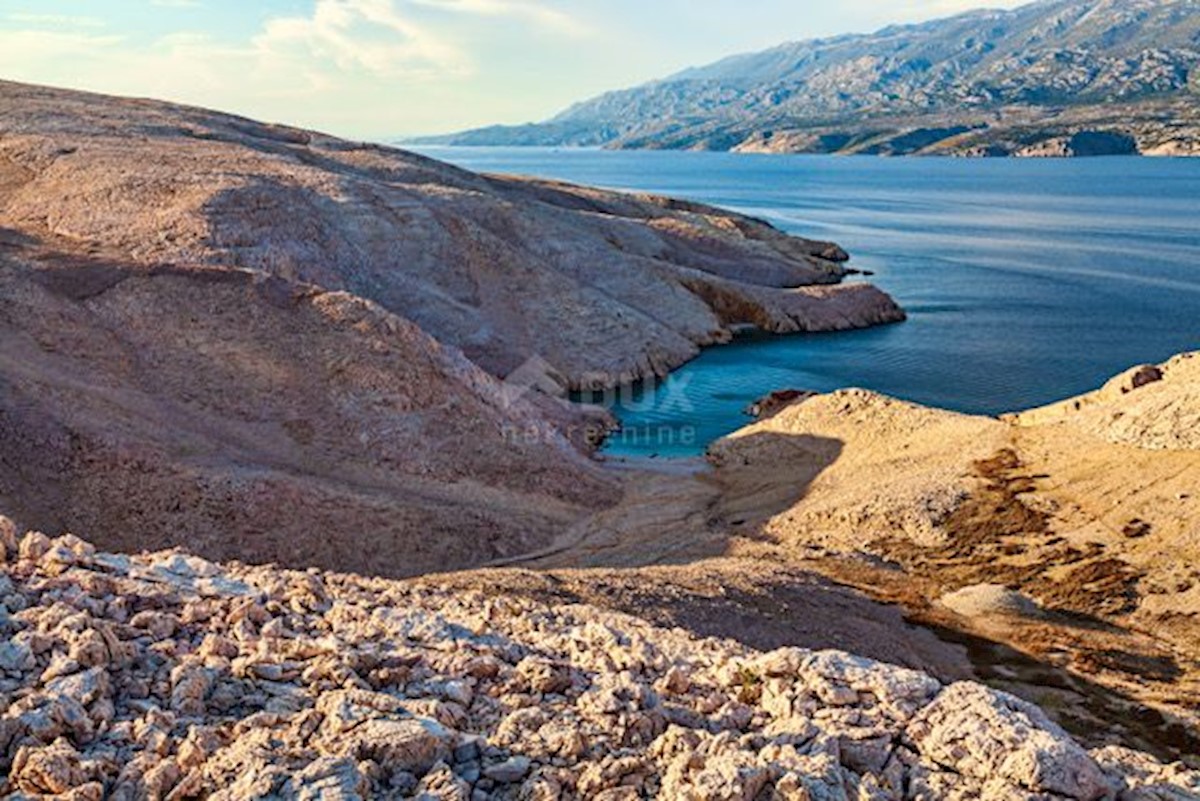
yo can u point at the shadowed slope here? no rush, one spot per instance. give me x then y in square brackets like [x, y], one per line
[254, 419]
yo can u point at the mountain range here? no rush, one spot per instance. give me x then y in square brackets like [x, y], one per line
[1053, 78]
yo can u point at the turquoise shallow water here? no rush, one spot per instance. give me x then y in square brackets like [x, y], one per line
[1025, 281]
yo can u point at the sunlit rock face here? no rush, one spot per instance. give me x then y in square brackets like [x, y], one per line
[604, 287]
[273, 345]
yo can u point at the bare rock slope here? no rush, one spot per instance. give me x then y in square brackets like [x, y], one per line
[259, 420]
[1153, 407]
[250, 339]
[603, 287]
[166, 676]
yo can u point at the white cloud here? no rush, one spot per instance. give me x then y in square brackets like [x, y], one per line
[536, 12]
[340, 42]
[340, 45]
[359, 35]
[362, 67]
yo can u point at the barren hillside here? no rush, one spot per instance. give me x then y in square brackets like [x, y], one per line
[603, 287]
[250, 339]
[1071, 533]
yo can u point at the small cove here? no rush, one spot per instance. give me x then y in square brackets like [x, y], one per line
[1026, 281]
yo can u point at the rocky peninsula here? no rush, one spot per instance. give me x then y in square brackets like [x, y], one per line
[242, 337]
[604, 287]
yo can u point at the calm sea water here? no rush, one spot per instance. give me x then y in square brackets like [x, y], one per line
[1025, 281]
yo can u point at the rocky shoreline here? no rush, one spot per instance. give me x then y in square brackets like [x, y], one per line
[238, 336]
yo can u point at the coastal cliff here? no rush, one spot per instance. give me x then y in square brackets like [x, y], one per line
[272, 345]
[603, 288]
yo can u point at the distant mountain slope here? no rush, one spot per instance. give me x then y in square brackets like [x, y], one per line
[1058, 77]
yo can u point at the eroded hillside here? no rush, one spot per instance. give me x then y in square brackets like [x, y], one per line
[602, 287]
[250, 339]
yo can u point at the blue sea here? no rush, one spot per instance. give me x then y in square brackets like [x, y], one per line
[1026, 281]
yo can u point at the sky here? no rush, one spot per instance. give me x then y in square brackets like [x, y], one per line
[378, 69]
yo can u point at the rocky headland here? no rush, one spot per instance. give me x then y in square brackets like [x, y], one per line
[604, 288]
[269, 344]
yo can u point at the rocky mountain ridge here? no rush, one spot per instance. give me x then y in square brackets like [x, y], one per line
[1121, 74]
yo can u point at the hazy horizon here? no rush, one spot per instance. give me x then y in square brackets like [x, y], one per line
[385, 68]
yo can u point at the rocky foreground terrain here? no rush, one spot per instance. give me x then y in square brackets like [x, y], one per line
[1052, 78]
[166, 676]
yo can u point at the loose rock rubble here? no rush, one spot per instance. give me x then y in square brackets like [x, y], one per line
[168, 677]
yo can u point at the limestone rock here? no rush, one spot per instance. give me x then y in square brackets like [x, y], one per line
[984, 600]
[53, 770]
[8, 539]
[566, 701]
[649, 280]
[1154, 407]
[328, 779]
[988, 735]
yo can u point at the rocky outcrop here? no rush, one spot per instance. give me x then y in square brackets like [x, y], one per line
[169, 676]
[1060, 77]
[1155, 407]
[600, 287]
[1083, 143]
[770, 405]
